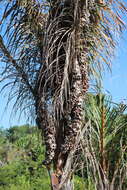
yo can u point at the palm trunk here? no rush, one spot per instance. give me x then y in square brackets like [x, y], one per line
[71, 131]
[74, 124]
[102, 161]
[68, 185]
[64, 63]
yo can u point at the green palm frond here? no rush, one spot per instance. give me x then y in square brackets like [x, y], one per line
[104, 144]
[115, 121]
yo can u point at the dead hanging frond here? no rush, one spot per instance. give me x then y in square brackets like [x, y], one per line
[21, 47]
[83, 31]
[99, 23]
[14, 64]
[101, 27]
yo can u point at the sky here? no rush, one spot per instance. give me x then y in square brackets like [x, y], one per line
[114, 83]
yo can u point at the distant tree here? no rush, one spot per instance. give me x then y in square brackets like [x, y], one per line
[49, 49]
[15, 132]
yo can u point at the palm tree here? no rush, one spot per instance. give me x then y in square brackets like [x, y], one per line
[49, 49]
[107, 139]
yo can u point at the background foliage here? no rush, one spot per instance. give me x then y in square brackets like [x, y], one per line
[21, 156]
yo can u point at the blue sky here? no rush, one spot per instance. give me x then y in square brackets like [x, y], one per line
[6, 119]
[116, 82]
